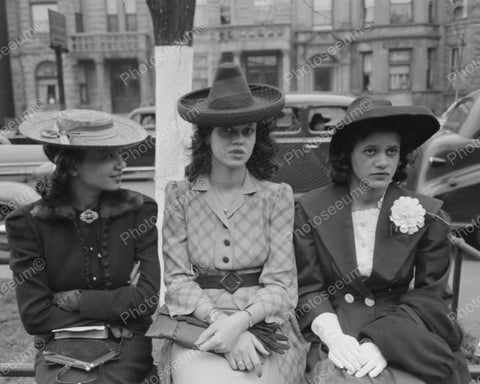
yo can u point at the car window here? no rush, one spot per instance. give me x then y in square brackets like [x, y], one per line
[333, 114]
[288, 121]
[458, 116]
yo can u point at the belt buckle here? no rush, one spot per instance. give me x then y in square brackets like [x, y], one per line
[231, 281]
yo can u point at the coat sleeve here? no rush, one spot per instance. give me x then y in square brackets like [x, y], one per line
[183, 294]
[313, 300]
[34, 298]
[432, 259]
[279, 292]
[129, 302]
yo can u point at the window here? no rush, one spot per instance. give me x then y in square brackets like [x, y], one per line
[262, 68]
[130, 7]
[288, 121]
[399, 69]
[79, 16]
[369, 9]
[458, 116]
[454, 59]
[431, 11]
[322, 79]
[400, 11]
[40, 15]
[112, 15]
[367, 71]
[459, 9]
[225, 12]
[46, 82]
[430, 66]
[334, 113]
[322, 14]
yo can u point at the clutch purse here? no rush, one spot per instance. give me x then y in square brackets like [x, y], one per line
[185, 330]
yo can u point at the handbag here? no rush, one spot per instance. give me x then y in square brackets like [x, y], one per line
[185, 330]
[82, 359]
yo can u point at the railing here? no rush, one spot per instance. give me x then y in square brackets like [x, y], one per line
[108, 42]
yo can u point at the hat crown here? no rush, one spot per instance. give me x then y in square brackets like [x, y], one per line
[230, 89]
[73, 119]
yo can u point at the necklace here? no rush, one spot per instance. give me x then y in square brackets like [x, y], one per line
[222, 202]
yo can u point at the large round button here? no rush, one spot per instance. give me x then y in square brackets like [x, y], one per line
[226, 242]
[94, 278]
[349, 298]
[225, 259]
[369, 302]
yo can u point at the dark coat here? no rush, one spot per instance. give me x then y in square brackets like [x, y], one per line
[329, 280]
[48, 257]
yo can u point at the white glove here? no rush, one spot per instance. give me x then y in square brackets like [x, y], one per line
[344, 350]
[374, 362]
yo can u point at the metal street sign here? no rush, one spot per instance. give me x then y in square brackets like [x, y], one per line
[58, 29]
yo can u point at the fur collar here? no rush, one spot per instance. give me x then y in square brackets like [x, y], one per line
[113, 204]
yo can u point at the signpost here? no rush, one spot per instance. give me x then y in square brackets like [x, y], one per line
[58, 42]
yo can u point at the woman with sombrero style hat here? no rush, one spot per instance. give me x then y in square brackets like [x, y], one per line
[227, 241]
[373, 258]
[85, 254]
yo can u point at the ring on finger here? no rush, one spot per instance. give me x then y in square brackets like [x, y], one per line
[241, 365]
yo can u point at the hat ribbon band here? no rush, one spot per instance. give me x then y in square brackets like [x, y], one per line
[97, 132]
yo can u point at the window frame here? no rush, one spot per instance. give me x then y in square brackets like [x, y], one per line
[392, 6]
[398, 64]
[315, 14]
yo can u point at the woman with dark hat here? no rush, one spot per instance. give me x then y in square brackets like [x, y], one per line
[361, 244]
[227, 239]
[86, 253]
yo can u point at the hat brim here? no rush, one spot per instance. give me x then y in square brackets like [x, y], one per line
[268, 102]
[127, 132]
[414, 124]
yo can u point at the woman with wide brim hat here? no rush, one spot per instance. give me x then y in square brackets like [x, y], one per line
[370, 239]
[89, 249]
[227, 241]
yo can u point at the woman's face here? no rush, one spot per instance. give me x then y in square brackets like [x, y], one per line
[232, 146]
[375, 159]
[101, 170]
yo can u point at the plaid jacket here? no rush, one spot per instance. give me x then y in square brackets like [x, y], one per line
[255, 235]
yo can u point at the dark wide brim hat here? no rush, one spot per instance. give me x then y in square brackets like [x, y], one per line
[230, 100]
[414, 124]
[83, 128]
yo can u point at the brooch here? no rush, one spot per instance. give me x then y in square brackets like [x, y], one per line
[408, 215]
[88, 216]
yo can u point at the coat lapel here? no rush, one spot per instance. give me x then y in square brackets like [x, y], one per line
[330, 215]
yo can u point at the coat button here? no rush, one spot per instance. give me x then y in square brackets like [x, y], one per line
[94, 278]
[369, 302]
[225, 259]
[226, 242]
[349, 298]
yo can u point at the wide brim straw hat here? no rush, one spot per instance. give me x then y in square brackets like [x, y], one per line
[230, 100]
[83, 128]
[414, 124]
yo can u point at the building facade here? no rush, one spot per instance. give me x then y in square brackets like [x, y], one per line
[410, 51]
[108, 42]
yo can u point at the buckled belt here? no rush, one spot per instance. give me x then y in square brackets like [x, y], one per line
[229, 281]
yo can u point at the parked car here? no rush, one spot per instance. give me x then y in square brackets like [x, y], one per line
[303, 151]
[448, 166]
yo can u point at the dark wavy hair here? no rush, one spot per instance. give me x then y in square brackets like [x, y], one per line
[341, 156]
[55, 188]
[261, 164]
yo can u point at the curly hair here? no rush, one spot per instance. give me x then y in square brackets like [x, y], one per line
[261, 163]
[341, 156]
[56, 186]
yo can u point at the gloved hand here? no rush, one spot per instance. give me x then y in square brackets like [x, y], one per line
[374, 362]
[120, 332]
[344, 350]
[68, 300]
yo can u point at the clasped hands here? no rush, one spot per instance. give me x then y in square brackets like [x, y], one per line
[229, 335]
[359, 359]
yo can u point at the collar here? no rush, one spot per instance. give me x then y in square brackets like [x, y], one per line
[113, 204]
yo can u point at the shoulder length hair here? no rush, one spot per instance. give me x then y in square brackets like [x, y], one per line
[261, 163]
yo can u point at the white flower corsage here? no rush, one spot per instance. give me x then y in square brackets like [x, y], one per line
[407, 215]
